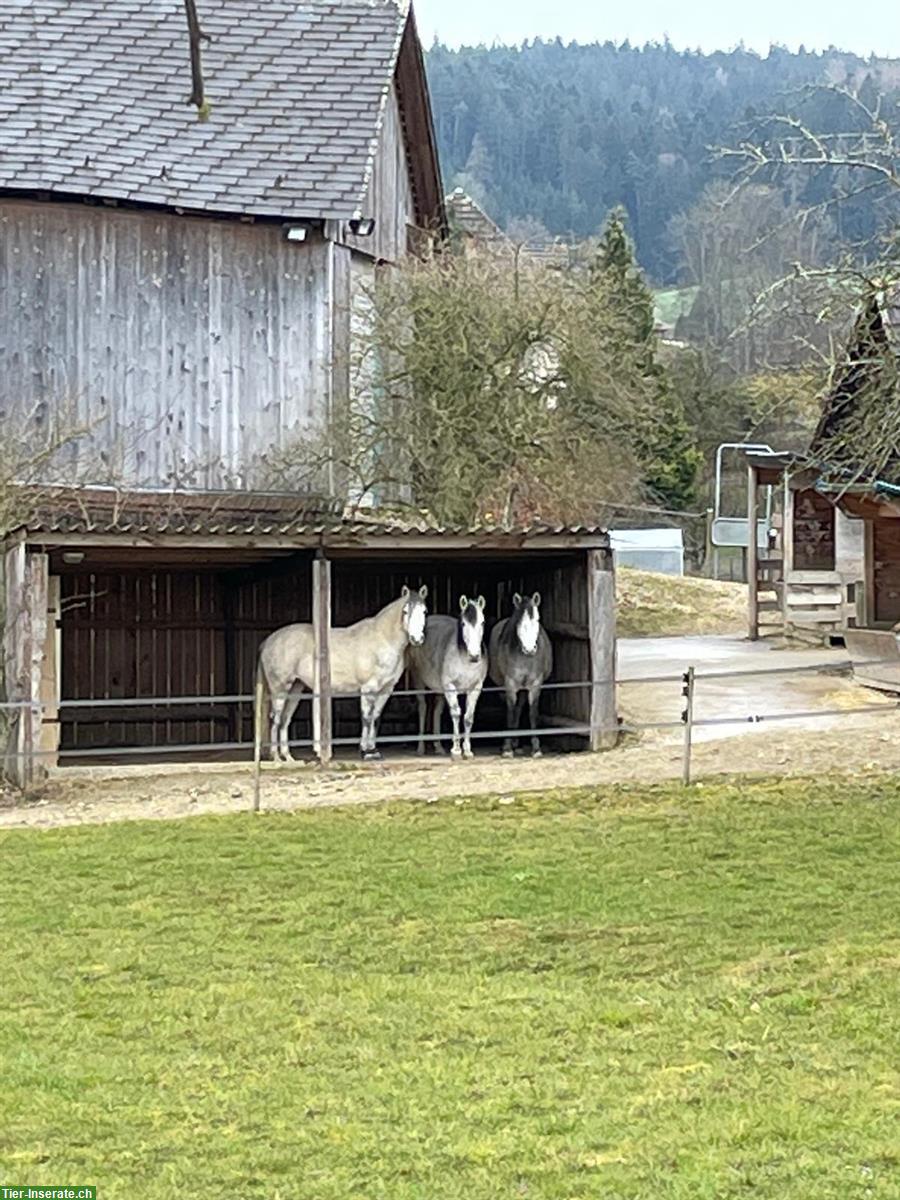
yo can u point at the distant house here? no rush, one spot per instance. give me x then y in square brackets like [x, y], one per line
[476, 233]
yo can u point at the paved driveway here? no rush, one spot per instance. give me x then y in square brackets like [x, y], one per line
[808, 681]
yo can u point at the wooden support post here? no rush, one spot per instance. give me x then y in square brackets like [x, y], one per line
[870, 598]
[752, 553]
[602, 628]
[787, 547]
[322, 714]
[24, 642]
[51, 682]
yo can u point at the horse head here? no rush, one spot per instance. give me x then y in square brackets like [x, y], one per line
[415, 613]
[471, 627]
[527, 622]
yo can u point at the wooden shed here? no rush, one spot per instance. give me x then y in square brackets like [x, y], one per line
[837, 562]
[118, 599]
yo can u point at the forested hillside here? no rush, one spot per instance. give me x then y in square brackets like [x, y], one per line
[563, 133]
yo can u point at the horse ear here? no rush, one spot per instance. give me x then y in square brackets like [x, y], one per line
[536, 599]
[482, 603]
[463, 603]
[423, 591]
[404, 593]
[517, 601]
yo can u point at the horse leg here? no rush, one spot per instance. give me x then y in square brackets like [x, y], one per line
[439, 703]
[377, 701]
[512, 720]
[471, 704]
[534, 695]
[291, 702]
[423, 713]
[453, 701]
[367, 712]
[279, 700]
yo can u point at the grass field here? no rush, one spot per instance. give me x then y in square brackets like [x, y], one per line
[649, 603]
[648, 995]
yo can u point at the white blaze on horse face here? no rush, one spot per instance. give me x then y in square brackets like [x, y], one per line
[416, 613]
[528, 630]
[473, 631]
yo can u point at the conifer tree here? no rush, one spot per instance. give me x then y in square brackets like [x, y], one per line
[663, 439]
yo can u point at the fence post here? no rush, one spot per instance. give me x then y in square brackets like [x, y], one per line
[322, 735]
[752, 553]
[687, 717]
[259, 716]
[710, 554]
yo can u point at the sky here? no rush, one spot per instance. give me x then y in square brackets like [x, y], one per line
[705, 24]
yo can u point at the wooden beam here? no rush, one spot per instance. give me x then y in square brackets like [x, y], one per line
[870, 599]
[350, 544]
[51, 677]
[787, 543]
[602, 625]
[322, 709]
[752, 553]
[24, 642]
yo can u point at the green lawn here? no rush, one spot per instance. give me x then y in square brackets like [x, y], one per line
[648, 994]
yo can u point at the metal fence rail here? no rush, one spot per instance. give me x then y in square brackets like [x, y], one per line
[691, 682]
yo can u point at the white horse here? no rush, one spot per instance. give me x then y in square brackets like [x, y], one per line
[450, 662]
[521, 662]
[366, 659]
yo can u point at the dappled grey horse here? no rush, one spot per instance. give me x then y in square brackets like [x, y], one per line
[451, 662]
[521, 660]
[366, 659]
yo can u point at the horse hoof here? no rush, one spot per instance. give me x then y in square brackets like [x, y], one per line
[371, 756]
[456, 753]
[537, 754]
[468, 754]
[509, 754]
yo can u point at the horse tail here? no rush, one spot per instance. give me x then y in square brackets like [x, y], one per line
[259, 696]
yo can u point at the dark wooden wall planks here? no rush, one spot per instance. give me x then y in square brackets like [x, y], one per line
[182, 633]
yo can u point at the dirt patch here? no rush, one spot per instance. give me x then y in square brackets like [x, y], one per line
[649, 603]
[863, 742]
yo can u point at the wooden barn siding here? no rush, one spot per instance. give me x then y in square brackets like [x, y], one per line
[187, 346]
[886, 570]
[389, 198]
[165, 633]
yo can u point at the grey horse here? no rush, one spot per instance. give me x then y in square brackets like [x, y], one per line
[521, 660]
[366, 659]
[451, 662]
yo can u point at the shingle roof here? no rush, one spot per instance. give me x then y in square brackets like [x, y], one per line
[93, 101]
